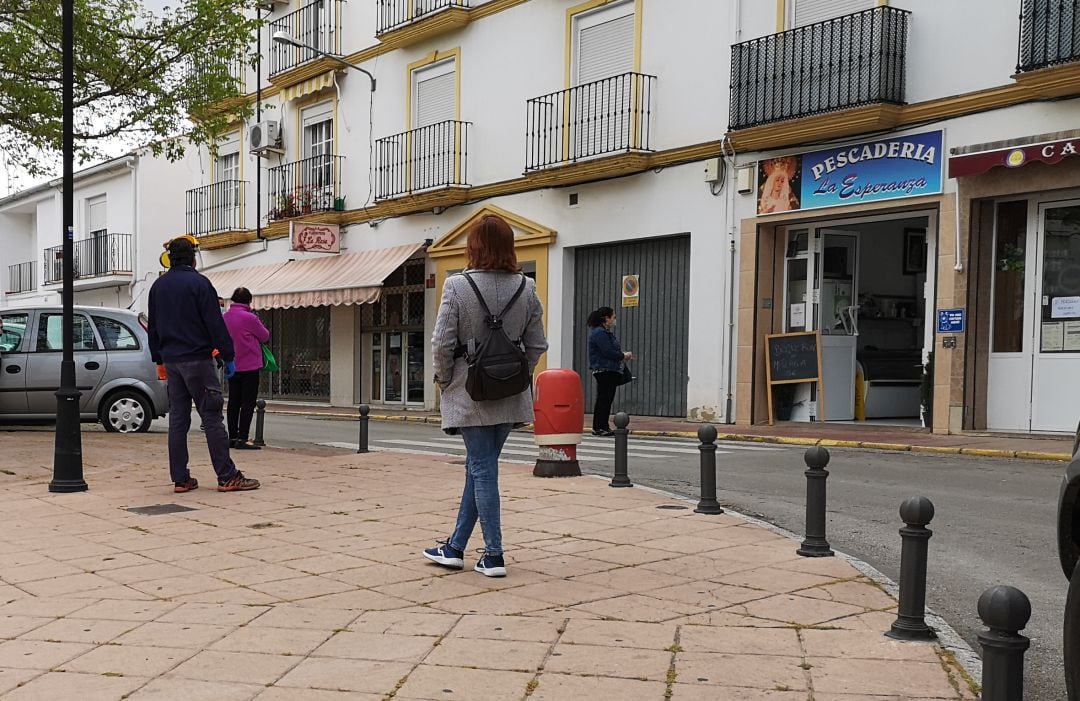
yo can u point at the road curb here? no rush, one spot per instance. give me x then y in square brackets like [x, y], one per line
[745, 438]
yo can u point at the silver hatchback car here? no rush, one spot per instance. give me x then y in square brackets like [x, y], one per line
[113, 369]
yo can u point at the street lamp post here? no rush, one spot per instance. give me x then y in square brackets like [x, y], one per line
[286, 38]
[67, 458]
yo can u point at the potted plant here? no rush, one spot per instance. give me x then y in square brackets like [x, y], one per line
[339, 204]
[926, 391]
[305, 199]
[784, 401]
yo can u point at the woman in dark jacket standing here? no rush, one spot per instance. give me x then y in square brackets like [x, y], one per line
[606, 360]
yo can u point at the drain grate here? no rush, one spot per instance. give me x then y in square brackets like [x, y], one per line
[159, 509]
[674, 507]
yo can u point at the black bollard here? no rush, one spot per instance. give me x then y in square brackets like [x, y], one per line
[260, 420]
[815, 545]
[910, 623]
[1005, 611]
[622, 433]
[364, 419]
[708, 503]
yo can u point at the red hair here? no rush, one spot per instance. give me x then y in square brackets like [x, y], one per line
[490, 245]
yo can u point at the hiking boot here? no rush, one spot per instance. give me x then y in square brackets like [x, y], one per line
[186, 486]
[238, 483]
[446, 556]
[491, 565]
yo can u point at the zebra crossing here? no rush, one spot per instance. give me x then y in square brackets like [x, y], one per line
[521, 447]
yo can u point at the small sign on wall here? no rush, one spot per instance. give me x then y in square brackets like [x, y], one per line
[951, 320]
[316, 238]
[631, 289]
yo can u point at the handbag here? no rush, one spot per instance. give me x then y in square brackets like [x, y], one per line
[625, 376]
[269, 361]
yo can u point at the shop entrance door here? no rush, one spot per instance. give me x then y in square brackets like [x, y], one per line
[1035, 358]
[397, 367]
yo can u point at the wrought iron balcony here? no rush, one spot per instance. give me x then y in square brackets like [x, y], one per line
[317, 24]
[21, 278]
[304, 187]
[431, 157]
[395, 14]
[99, 255]
[1049, 34]
[215, 208]
[842, 63]
[609, 116]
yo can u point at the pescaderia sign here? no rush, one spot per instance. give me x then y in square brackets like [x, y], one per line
[903, 166]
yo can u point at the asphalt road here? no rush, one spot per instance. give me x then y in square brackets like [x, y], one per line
[994, 523]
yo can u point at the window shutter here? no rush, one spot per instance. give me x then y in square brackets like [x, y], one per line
[811, 11]
[436, 99]
[605, 49]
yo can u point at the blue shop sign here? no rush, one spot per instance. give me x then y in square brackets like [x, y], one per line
[951, 320]
[902, 166]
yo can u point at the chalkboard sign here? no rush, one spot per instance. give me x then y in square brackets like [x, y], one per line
[793, 358]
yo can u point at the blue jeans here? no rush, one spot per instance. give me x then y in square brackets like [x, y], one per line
[483, 444]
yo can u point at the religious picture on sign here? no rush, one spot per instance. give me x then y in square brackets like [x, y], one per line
[779, 184]
[631, 290]
[316, 238]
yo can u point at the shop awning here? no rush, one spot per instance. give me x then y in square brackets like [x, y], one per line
[1050, 152]
[350, 278]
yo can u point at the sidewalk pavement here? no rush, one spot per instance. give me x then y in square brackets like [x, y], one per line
[313, 589]
[831, 435]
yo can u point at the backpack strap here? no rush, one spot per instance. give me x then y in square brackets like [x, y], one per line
[494, 321]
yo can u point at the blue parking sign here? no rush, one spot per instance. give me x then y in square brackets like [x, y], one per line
[951, 320]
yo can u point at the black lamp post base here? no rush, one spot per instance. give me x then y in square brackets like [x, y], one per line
[812, 549]
[68, 486]
[709, 507]
[910, 631]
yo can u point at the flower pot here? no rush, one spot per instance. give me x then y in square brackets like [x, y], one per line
[339, 204]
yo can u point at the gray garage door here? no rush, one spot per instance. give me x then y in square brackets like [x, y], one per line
[655, 330]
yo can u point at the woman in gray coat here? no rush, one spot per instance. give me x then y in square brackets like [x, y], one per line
[484, 425]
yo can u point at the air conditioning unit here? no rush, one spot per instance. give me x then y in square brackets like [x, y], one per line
[265, 137]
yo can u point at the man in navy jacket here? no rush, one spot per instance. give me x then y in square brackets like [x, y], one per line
[184, 329]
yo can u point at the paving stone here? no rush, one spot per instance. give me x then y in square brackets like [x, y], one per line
[86, 687]
[560, 687]
[428, 682]
[509, 655]
[624, 662]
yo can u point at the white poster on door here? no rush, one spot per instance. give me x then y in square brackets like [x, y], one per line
[1064, 307]
[1053, 337]
[1072, 336]
[798, 316]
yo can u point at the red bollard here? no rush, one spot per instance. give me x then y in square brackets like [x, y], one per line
[559, 405]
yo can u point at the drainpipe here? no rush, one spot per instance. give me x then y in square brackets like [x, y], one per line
[258, 118]
[958, 266]
[732, 269]
[136, 233]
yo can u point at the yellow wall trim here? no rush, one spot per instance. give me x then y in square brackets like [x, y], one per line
[576, 10]
[429, 60]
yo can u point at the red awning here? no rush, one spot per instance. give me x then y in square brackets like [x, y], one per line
[1050, 152]
[350, 278]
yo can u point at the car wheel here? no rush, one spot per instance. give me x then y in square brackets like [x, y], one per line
[126, 411]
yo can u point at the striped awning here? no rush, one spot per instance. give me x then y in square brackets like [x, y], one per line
[309, 86]
[350, 278]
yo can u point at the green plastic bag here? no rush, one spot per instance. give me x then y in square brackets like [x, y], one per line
[269, 361]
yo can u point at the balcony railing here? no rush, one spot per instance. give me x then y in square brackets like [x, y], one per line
[395, 14]
[317, 24]
[1049, 33]
[21, 278]
[215, 208]
[850, 61]
[100, 255]
[235, 71]
[434, 156]
[304, 187]
[612, 115]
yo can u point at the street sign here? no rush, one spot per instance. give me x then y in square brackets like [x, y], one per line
[951, 320]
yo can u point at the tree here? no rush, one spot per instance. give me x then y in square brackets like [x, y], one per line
[140, 77]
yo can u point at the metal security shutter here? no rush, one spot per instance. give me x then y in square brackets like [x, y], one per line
[436, 98]
[811, 11]
[605, 49]
[656, 330]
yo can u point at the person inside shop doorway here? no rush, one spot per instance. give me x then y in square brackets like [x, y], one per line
[606, 361]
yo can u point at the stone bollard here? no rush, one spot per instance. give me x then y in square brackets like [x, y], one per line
[910, 623]
[1005, 611]
[260, 420]
[708, 503]
[815, 545]
[622, 433]
[362, 446]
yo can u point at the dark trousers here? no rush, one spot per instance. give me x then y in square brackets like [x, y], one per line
[606, 384]
[243, 393]
[197, 381]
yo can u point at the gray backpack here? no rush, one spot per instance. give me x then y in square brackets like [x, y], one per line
[498, 368]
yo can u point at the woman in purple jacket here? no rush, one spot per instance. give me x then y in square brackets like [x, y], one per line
[248, 335]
